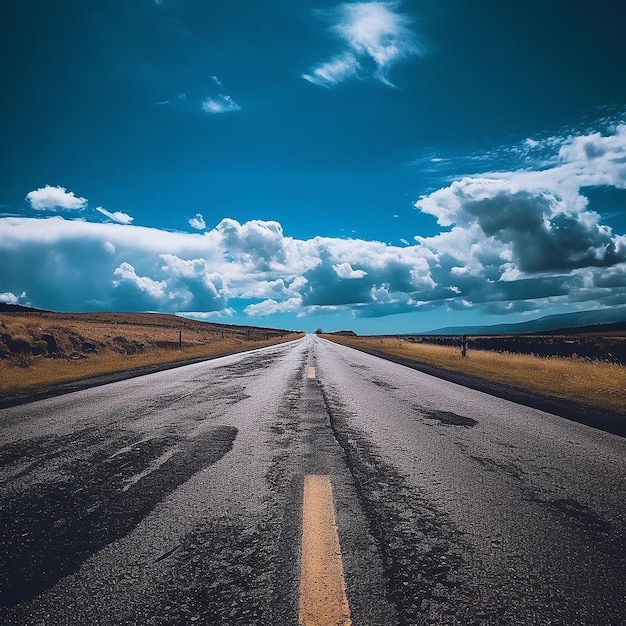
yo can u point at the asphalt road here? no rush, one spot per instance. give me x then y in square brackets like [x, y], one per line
[176, 498]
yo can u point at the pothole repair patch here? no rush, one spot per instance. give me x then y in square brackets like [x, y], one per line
[450, 419]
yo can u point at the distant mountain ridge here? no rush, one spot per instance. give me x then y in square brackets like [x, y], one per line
[583, 321]
[12, 308]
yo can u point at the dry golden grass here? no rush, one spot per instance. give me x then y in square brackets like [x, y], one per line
[45, 372]
[588, 382]
[87, 345]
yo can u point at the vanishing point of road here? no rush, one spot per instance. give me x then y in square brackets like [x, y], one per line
[306, 483]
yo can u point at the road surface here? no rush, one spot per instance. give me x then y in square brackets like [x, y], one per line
[177, 498]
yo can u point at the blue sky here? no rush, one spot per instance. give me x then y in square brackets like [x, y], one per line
[382, 166]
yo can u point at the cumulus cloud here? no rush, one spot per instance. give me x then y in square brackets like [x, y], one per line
[192, 285]
[345, 270]
[255, 244]
[512, 242]
[10, 298]
[116, 216]
[374, 36]
[540, 219]
[78, 265]
[271, 307]
[81, 265]
[55, 198]
[146, 289]
[197, 222]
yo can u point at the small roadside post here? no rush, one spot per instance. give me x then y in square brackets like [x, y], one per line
[463, 345]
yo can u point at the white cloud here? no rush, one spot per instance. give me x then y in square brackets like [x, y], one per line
[334, 71]
[55, 197]
[116, 216]
[541, 218]
[220, 104]
[514, 241]
[125, 273]
[259, 246]
[270, 307]
[277, 288]
[10, 298]
[197, 222]
[345, 270]
[129, 267]
[375, 37]
[207, 315]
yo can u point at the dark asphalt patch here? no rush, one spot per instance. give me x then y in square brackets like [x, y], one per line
[383, 384]
[489, 465]
[250, 365]
[592, 528]
[223, 573]
[582, 515]
[450, 419]
[585, 519]
[78, 496]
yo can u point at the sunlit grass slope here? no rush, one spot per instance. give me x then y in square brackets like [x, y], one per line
[41, 350]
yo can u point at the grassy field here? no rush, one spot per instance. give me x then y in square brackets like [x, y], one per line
[39, 350]
[589, 382]
[607, 344]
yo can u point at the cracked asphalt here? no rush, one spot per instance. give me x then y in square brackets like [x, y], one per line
[176, 498]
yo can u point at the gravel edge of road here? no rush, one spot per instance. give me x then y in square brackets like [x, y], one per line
[601, 419]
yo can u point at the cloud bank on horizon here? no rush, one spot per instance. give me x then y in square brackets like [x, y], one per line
[510, 242]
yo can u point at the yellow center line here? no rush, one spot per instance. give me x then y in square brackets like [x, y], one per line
[311, 373]
[323, 600]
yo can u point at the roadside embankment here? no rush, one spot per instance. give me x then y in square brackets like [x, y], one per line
[44, 354]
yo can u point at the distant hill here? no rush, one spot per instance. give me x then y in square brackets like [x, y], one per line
[29, 334]
[140, 318]
[585, 321]
[11, 308]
